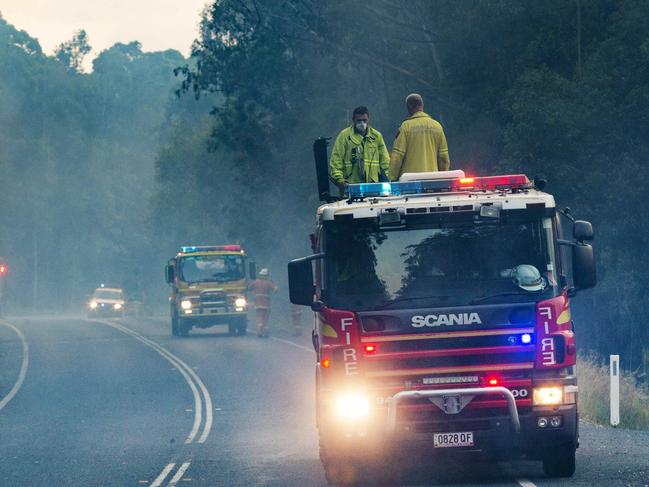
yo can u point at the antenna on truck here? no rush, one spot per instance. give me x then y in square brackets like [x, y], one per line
[322, 169]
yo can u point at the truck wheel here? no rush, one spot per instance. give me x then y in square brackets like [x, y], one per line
[338, 470]
[174, 326]
[183, 328]
[560, 462]
[232, 329]
[344, 474]
[242, 326]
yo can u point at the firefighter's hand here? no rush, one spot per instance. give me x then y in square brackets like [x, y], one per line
[342, 186]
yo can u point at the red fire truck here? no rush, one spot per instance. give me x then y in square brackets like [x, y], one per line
[442, 320]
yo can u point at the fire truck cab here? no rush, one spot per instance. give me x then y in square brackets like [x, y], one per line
[209, 286]
[443, 322]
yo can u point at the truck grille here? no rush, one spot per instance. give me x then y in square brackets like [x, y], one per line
[214, 298]
[416, 356]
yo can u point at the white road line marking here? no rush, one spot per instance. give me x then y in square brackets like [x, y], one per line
[525, 483]
[163, 475]
[23, 366]
[287, 342]
[184, 370]
[179, 474]
[293, 344]
[206, 395]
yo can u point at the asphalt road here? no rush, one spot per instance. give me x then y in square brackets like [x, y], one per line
[122, 403]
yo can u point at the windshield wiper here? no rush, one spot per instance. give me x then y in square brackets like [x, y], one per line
[410, 298]
[510, 293]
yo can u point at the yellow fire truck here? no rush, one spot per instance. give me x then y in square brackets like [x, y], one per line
[209, 287]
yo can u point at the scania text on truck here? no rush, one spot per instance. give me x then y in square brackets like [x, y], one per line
[209, 287]
[443, 322]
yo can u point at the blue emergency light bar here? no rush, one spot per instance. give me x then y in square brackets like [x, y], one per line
[489, 183]
[211, 248]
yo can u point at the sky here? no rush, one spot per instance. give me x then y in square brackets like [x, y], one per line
[157, 24]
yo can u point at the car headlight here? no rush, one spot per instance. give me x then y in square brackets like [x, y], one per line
[352, 407]
[93, 304]
[548, 396]
[240, 303]
[186, 304]
[117, 306]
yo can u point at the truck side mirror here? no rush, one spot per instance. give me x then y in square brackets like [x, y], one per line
[170, 274]
[300, 281]
[252, 269]
[583, 265]
[582, 231]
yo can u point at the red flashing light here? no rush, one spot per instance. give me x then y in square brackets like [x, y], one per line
[513, 181]
[325, 363]
[3, 269]
[492, 382]
[232, 248]
[370, 348]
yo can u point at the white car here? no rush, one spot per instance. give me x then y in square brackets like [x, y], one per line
[107, 301]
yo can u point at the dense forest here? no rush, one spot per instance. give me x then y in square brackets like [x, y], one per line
[105, 173]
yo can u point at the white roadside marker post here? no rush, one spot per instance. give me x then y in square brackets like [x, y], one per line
[615, 390]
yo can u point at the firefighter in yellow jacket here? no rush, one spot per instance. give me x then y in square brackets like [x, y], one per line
[359, 154]
[420, 145]
[262, 289]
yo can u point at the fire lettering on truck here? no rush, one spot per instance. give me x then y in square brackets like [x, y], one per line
[349, 354]
[420, 321]
[548, 352]
[546, 311]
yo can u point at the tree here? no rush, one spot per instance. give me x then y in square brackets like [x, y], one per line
[71, 53]
[555, 88]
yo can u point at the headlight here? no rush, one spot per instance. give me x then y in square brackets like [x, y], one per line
[548, 396]
[351, 407]
[117, 306]
[93, 304]
[186, 304]
[240, 303]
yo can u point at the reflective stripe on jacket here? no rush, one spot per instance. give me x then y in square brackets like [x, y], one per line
[359, 159]
[420, 146]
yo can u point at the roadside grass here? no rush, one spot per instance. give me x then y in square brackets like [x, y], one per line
[594, 395]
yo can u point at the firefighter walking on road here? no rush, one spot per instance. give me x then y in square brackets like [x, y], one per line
[262, 288]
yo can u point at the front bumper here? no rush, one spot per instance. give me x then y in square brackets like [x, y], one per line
[207, 317]
[502, 433]
[105, 311]
[493, 433]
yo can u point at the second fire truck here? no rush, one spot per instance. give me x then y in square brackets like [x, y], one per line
[443, 320]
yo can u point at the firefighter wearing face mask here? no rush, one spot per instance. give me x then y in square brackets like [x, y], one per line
[359, 154]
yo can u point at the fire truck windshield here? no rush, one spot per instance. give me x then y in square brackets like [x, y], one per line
[446, 264]
[211, 268]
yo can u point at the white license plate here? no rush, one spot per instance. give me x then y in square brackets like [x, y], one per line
[453, 440]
